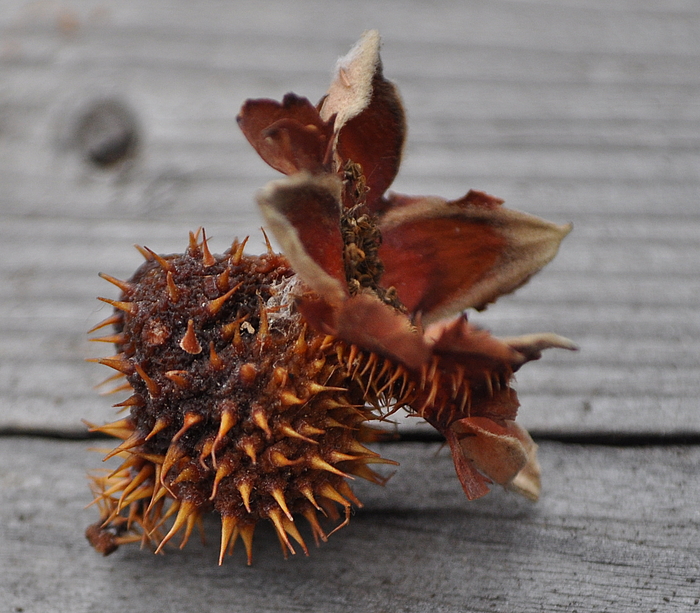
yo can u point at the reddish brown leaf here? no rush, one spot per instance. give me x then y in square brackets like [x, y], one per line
[290, 136]
[365, 321]
[474, 484]
[303, 212]
[494, 450]
[370, 121]
[444, 257]
[465, 343]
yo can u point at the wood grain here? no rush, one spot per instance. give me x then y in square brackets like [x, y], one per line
[615, 529]
[586, 113]
[576, 110]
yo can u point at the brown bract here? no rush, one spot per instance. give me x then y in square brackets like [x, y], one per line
[435, 259]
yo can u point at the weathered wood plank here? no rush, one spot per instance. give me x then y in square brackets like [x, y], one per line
[638, 330]
[615, 529]
[584, 111]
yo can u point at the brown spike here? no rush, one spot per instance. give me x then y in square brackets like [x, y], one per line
[119, 362]
[144, 252]
[161, 424]
[111, 320]
[371, 362]
[174, 454]
[189, 420]
[308, 493]
[376, 460]
[228, 330]
[276, 517]
[189, 473]
[291, 529]
[291, 432]
[117, 339]
[194, 240]
[214, 359]
[237, 341]
[259, 418]
[331, 493]
[228, 421]
[319, 463]
[186, 510]
[315, 388]
[178, 377]
[151, 385]
[278, 459]
[228, 527]
[351, 358]
[133, 441]
[307, 429]
[207, 258]
[162, 262]
[194, 519]
[172, 510]
[248, 446]
[329, 422]
[365, 472]
[122, 305]
[158, 492]
[237, 251]
[270, 251]
[288, 399]
[434, 387]
[337, 456]
[280, 376]
[173, 290]
[316, 529]
[344, 489]
[116, 390]
[110, 379]
[222, 280]
[189, 342]
[122, 428]
[245, 488]
[134, 400]
[301, 345]
[125, 286]
[222, 472]
[207, 446]
[357, 447]
[145, 473]
[246, 531]
[214, 306]
[278, 495]
[388, 386]
[247, 373]
[489, 384]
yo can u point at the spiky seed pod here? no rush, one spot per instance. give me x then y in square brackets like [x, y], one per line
[236, 406]
[251, 384]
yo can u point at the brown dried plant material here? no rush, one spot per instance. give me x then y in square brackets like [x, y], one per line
[253, 378]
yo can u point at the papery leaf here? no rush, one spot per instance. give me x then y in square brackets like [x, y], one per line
[494, 450]
[369, 118]
[462, 341]
[350, 90]
[474, 484]
[527, 482]
[443, 257]
[303, 212]
[531, 346]
[367, 322]
[290, 136]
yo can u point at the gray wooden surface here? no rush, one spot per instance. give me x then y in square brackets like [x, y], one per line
[576, 110]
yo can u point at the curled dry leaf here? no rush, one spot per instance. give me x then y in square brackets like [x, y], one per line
[253, 378]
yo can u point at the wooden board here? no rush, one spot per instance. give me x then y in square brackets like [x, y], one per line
[587, 112]
[576, 110]
[615, 529]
